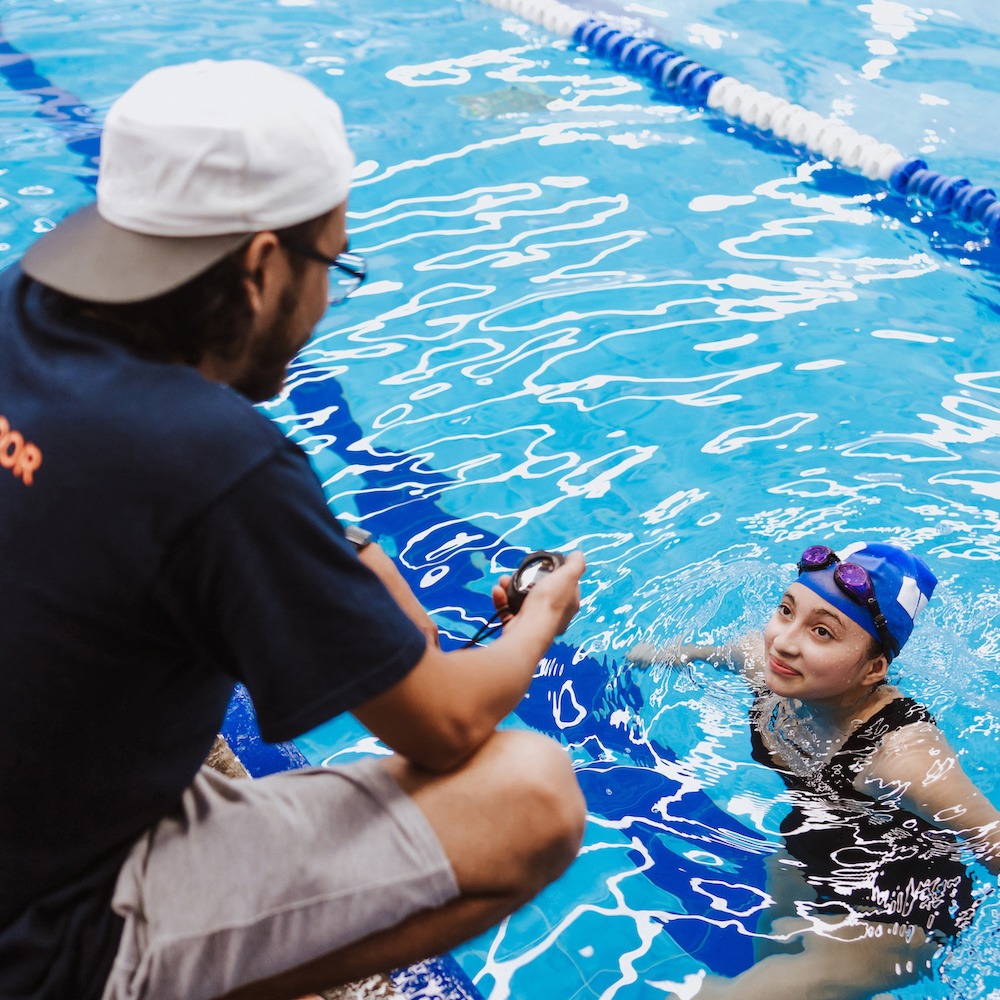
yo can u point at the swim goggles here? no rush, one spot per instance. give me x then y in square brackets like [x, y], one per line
[854, 581]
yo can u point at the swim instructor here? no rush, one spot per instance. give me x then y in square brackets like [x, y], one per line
[160, 540]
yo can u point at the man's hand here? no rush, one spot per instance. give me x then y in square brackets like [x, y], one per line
[449, 705]
[556, 594]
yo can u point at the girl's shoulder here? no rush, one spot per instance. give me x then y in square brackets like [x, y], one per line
[893, 726]
[882, 749]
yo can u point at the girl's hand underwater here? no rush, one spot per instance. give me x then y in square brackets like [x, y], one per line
[740, 656]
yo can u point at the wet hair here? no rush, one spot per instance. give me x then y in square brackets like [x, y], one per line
[209, 314]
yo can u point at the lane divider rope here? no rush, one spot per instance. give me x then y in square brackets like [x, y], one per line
[671, 72]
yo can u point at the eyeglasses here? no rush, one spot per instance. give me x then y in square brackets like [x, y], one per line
[347, 270]
[854, 581]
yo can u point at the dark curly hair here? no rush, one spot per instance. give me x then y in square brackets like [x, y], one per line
[209, 314]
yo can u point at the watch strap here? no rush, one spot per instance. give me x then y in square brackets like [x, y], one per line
[358, 537]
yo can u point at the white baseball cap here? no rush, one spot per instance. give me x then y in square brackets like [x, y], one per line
[195, 159]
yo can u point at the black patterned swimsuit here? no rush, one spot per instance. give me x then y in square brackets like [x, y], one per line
[863, 855]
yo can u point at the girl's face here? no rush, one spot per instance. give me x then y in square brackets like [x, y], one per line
[816, 654]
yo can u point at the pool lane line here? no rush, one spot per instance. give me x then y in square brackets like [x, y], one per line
[673, 74]
[74, 119]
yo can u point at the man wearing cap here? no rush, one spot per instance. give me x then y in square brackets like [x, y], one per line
[162, 540]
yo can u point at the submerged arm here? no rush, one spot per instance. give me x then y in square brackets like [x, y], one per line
[917, 769]
[745, 655]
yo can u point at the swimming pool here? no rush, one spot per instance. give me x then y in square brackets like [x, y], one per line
[597, 318]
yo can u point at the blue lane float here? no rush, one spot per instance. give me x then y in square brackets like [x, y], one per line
[670, 72]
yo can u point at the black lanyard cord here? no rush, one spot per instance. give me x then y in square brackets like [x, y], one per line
[486, 627]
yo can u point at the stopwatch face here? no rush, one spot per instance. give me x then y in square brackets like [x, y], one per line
[531, 573]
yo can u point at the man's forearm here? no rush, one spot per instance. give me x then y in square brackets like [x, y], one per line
[376, 559]
[450, 703]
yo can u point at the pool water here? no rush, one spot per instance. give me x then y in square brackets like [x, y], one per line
[598, 319]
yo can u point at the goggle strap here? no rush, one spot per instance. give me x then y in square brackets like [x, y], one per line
[882, 625]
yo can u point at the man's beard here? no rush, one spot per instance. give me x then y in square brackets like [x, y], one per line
[271, 353]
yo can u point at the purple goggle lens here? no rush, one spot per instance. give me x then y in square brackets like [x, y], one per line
[817, 557]
[855, 581]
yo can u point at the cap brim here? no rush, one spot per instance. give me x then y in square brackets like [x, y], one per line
[89, 258]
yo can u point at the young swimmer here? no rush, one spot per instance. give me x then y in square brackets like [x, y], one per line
[870, 882]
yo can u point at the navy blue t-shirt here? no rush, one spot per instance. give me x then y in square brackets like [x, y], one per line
[160, 540]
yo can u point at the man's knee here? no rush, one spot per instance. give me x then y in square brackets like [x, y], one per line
[510, 819]
[541, 793]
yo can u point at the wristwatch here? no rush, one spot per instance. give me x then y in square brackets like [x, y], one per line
[358, 537]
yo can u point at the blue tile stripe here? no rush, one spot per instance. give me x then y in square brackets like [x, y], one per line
[76, 120]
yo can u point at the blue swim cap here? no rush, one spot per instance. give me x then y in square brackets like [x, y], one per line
[903, 586]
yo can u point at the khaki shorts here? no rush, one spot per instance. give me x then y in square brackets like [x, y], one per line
[248, 878]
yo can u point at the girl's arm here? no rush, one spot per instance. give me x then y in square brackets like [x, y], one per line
[917, 769]
[745, 655]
